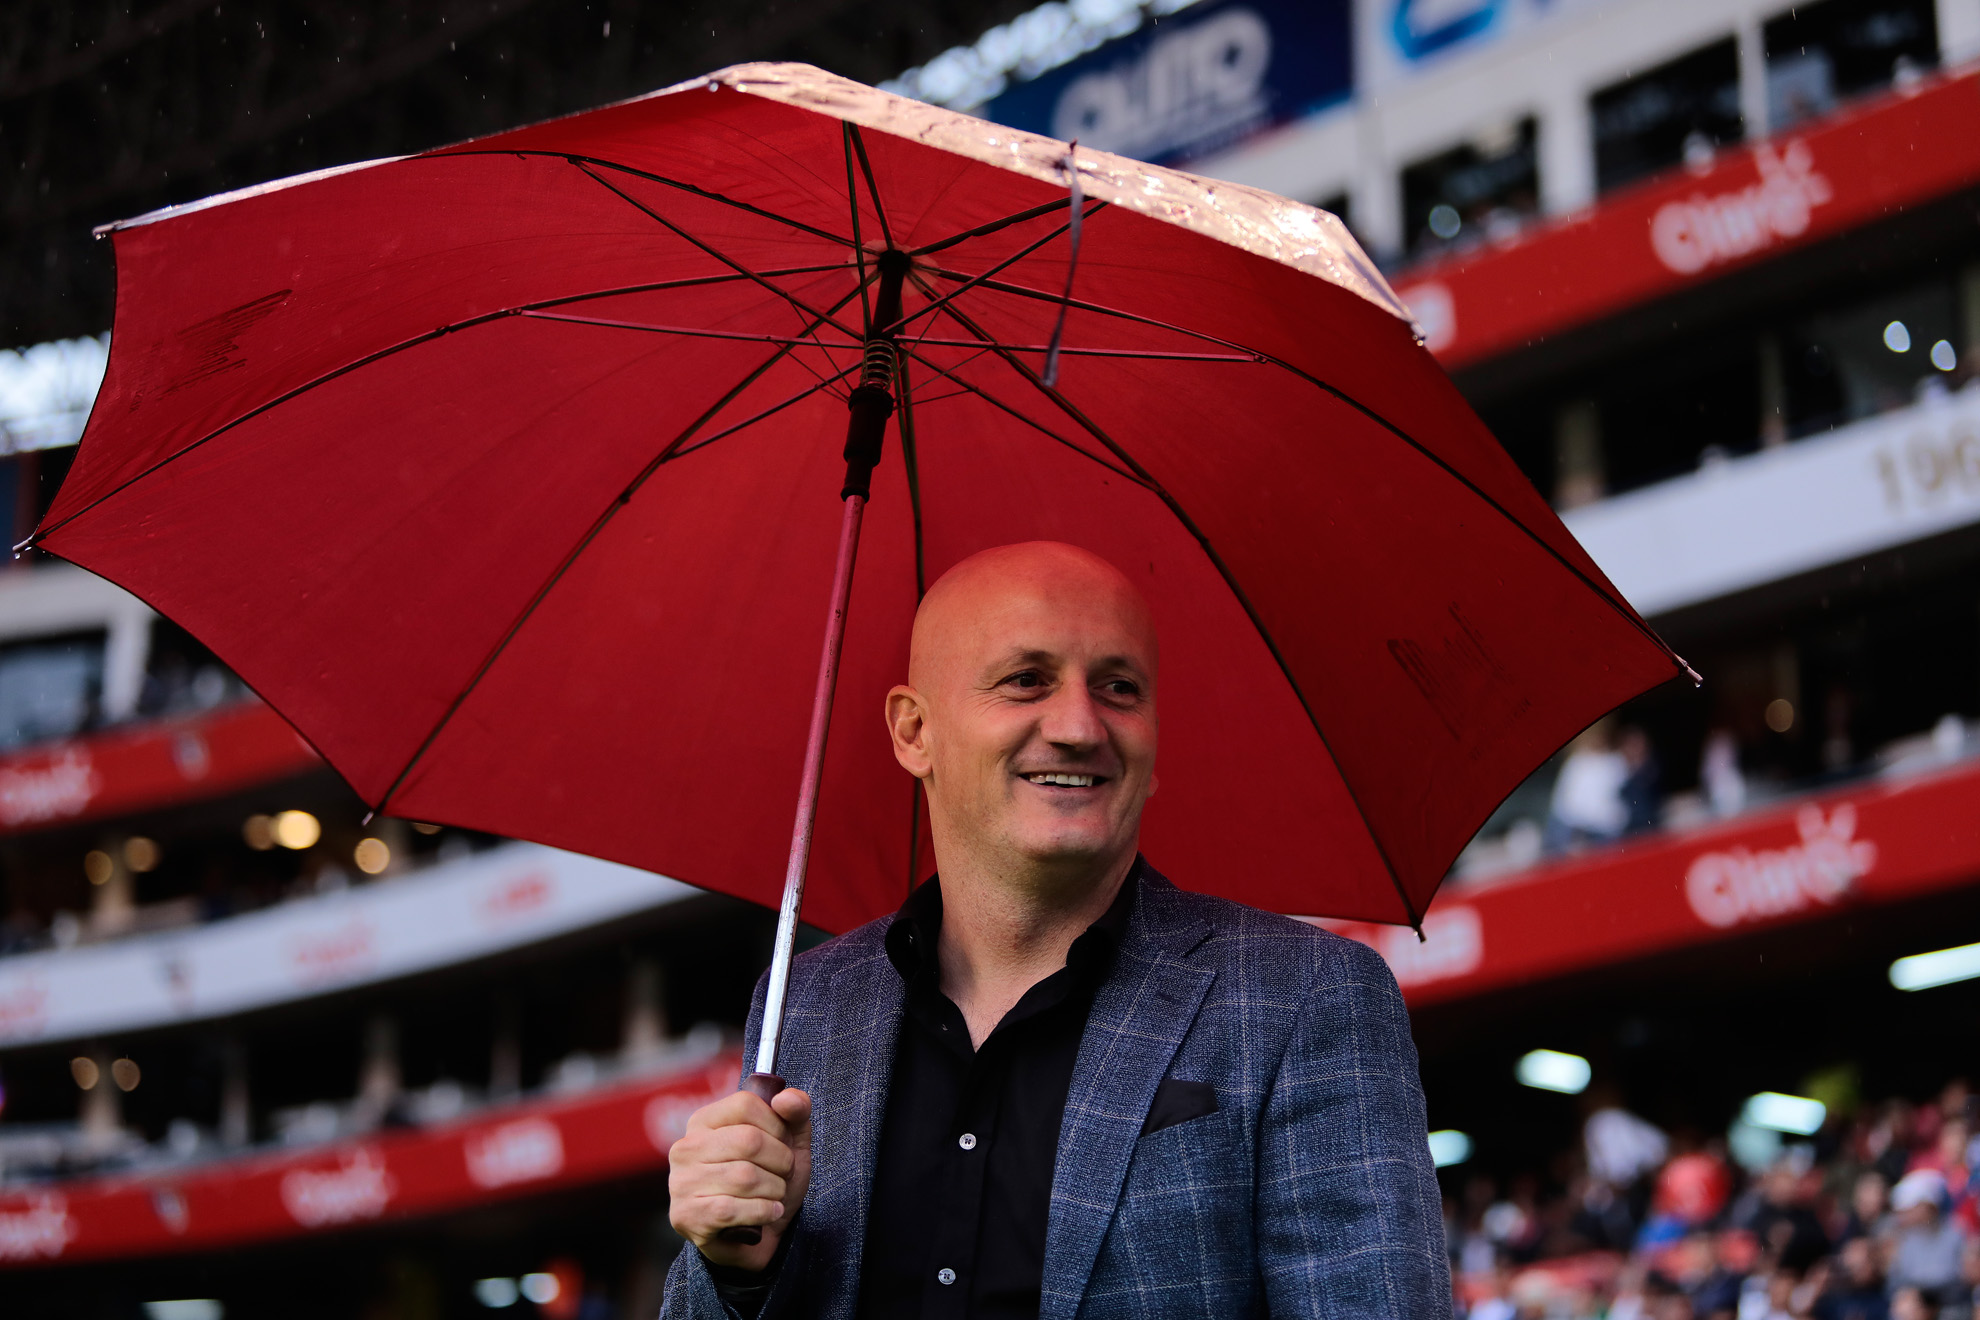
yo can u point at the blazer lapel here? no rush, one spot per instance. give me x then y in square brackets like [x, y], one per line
[1138, 1021]
[855, 1066]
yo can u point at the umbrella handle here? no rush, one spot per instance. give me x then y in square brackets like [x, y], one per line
[764, 1086]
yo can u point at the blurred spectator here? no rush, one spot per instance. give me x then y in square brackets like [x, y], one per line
[1712, 1269]
[1949, 1157]
[1513, 1224]
[1869, 1209]
[1967, 1291]
[1691, 1191]
[1838, 747]
[1704, 1253]
[1643, 787]
[1773, 1296]
[1477, 1253]
[1588, 802]
[1718, 771]
[1497, 1304]
[1782, 1217]
[1926, 1254]
[1890, 1139]
[1855, 1288]
[1621, 1147]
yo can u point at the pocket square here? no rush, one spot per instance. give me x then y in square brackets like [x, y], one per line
[1177, 1101]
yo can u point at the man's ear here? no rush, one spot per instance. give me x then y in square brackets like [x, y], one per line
[907, 726]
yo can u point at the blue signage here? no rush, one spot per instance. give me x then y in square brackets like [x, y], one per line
[1194, 83]
[1418, 35]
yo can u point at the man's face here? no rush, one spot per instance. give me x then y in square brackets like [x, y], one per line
[1035, 675]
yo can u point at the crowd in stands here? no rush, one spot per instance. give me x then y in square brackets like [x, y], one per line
[1876, 1218]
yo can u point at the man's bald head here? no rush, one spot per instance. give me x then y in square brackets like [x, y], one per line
[1029, 712]
[989, 584]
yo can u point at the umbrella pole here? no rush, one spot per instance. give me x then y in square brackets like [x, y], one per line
[872, 403]
[764, 1078]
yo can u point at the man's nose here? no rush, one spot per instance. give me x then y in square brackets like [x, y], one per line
[1072, 719]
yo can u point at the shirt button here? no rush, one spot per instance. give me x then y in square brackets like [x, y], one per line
[945, 1276]
[967, 1141]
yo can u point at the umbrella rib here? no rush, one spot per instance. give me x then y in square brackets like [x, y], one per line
[872, 188]
[465, 323]
[582, 160]
[824, 384]
[675, 329]
[859, 244]
[619, 502]
[1079, 304]
[725, 259]
[1043, 430]
[1251, 358]
[1230, 581]
[911, 464]
[970, 282]
[738, 267]
[1016, 218]
[1621, 608]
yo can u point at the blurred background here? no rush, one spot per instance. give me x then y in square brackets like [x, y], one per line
[1697, 1009]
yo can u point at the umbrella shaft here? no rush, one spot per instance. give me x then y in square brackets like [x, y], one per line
[807, 804]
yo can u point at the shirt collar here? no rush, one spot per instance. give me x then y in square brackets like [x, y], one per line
[912, 936]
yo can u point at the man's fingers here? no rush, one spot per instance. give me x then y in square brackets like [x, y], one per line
[738, 1141]
[735, 1109]
[720, 1212]
[735, 1178]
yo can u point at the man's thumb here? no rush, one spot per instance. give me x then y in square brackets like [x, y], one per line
[794, 1107]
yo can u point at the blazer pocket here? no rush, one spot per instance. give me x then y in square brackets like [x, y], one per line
[1178, 1101]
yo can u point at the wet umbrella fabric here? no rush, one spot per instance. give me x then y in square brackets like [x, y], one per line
[509, 473]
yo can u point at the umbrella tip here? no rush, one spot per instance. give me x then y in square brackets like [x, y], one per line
[1421, 938]
[1697, 680]
[367, 818]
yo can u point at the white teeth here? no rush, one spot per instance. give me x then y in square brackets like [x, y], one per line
[1067, 781]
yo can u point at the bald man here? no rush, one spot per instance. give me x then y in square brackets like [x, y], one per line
[1053, 1084]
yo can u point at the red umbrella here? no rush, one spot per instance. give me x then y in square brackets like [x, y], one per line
[509, 473]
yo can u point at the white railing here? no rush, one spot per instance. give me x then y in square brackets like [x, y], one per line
[1739, 523]
[509, 897]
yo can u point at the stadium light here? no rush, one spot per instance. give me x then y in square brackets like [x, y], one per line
[1551, 1070]
[1794, 1114]
[541, 1287]
[495, 1294]
[1448, 1147]
[1922, 971]
[185, 1308]
[297, 830]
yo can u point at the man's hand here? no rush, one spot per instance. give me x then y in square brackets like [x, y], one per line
[741, 1162]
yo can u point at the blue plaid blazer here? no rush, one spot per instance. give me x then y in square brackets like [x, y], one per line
[1308, 1193]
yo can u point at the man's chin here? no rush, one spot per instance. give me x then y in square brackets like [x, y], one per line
[1074, 850]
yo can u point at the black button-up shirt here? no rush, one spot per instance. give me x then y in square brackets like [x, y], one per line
[962, 1183]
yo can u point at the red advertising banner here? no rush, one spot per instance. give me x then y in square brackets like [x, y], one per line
[147, 765]
[1855, 848]
[1750, 203]
[395, 1175]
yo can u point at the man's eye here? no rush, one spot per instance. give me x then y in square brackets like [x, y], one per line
[1123, 687]
[1027, 679]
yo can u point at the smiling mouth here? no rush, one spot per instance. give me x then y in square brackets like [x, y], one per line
[1060, 780]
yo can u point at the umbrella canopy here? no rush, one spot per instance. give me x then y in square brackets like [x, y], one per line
[509, 474]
